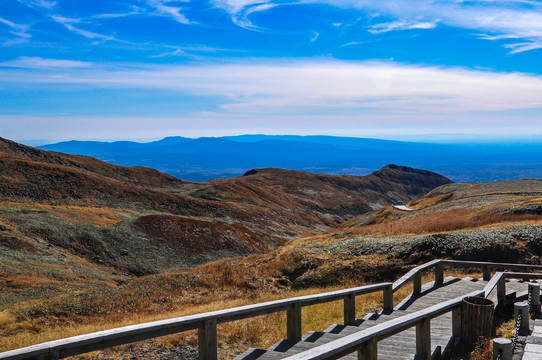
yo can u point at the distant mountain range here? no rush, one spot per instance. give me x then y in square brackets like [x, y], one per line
[208, 158]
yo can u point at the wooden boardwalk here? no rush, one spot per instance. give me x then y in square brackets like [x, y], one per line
[399, 346]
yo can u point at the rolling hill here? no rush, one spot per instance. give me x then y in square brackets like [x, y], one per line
[139, 221]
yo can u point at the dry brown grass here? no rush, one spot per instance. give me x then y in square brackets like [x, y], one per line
[483, 350]
[234, 337]
[442, 221]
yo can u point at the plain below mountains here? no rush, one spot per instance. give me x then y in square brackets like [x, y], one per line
[208, 158]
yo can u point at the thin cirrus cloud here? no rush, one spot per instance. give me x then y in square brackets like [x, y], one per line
[162, 8]
[68, 24]
[497, 20]
[40, 63]
[20, 31]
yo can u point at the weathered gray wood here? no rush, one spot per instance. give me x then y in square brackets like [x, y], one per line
[501, 291]
[423, 339]
[293, 322]
[492, 265]
[388, 298]
[439, 273]
[417, 282]
[120, 336]
[403, 280]
[207, 343]
[368, 350]
[109, 338]
[353, 342]
[487, 273]
[456, 322]
[350, 310]
[492, 283]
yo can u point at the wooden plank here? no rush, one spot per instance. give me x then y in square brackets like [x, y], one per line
[293, 322]
[351, 343]
[492, 283]
[350, 310]
[104, 339]
[207, 344]
[423, 339]
[408, 276]
[492, 265]
[417, 282]
[388, 298]
[456, 322]
[439, 273]
[368, 350]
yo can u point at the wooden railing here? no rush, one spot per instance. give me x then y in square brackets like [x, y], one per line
[415, 275]
[364, 341]
[205, 323]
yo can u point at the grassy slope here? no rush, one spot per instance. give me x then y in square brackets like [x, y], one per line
[75, 234]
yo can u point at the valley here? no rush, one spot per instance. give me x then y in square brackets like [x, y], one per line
[86, 245]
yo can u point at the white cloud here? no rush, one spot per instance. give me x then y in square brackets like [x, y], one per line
[300, 87]
[400, 25]
[21, 31]
[40, 63]
[239, 10]
[67, 23]
[498, 19]
[162, 8]
[47, 4]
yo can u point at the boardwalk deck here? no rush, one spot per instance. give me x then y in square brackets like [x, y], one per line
[402, 345]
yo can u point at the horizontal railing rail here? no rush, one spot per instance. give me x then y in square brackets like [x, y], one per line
[365, 341]
[206, 323]
[415, 274]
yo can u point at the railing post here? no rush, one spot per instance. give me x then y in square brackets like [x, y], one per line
[388, 297]
[487, 273]
[501, 291]
[456, 322]
[418, 282]
[503, 347]
[293, 322]
[423, 339]
[207, 343]
[534, 296]
[523, 309]
[439, 273]
[350, 309]
[368, 350]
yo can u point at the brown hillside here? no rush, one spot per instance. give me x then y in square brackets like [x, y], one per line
[140, 220]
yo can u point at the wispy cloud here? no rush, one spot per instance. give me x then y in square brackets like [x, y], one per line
[40, 63]
[307, 87]
[68, 24]
[401, 25]
[47, 4]
[163, 9]
[20, 31]
[239, 10]
[498, 19]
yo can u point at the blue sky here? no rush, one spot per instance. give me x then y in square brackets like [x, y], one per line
[144, 69]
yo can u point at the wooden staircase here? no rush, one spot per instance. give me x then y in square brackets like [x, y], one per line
[399, 346]
[425, 325]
